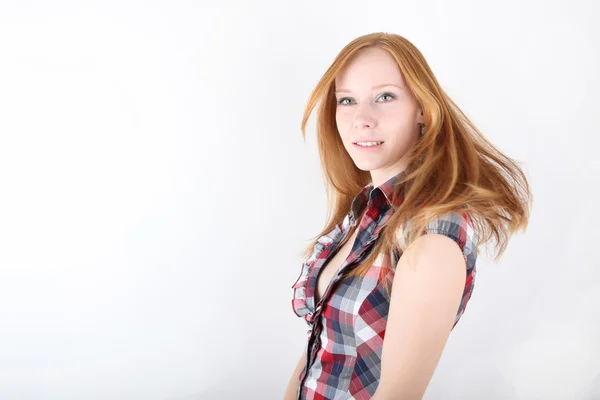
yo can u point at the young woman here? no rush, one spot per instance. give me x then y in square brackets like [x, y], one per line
[416, 190]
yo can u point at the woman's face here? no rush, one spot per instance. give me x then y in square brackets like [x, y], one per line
[375, 105]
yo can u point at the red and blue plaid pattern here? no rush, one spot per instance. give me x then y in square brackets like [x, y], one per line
[347, 326]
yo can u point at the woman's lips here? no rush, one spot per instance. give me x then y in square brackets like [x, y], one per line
[367, 148]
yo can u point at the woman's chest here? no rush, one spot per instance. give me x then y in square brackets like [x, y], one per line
[332, 265]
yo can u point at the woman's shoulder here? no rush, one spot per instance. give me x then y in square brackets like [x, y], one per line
[454, 224]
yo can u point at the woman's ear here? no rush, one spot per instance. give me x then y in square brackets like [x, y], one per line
[420, 116]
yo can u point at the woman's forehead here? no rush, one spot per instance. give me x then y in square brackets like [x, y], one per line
[369, 68]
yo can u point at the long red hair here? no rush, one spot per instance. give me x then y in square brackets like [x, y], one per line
[453, 166]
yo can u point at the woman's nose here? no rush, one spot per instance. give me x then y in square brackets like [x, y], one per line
[363, 118]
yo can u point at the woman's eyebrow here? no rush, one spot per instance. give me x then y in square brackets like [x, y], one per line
[374, 87]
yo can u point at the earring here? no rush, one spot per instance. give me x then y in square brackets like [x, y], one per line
[422, 129]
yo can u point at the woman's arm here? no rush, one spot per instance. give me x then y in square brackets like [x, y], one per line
[292, 387]
[423, 306]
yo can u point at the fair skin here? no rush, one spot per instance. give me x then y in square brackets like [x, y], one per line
[425, 298]
[374, 104]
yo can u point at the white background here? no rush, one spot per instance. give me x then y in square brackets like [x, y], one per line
[156, 192]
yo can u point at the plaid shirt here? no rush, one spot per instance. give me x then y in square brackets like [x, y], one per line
[347, 326]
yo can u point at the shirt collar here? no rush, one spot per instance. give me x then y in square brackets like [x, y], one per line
[369, 194]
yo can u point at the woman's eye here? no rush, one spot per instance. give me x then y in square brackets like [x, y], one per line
[390, 95]
[342, 101]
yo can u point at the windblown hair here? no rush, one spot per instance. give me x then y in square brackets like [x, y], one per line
[453, 167]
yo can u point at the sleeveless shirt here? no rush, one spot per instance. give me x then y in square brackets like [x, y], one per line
[346, 328]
